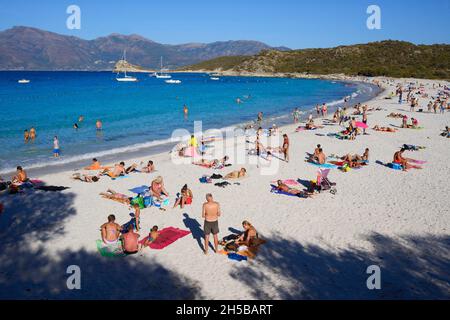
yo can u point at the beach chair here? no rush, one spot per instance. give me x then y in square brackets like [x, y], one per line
[323, 183]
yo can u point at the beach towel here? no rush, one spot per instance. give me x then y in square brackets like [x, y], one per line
[119, 177]
[276, 191]
[140, 190]
[416, 161]
[237, 257]
[110, 251]
[289, 182]
[325, 165]
[166, 237]
[191, 152]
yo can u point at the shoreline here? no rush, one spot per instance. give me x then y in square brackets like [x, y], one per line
[165, 145]
[318, 247]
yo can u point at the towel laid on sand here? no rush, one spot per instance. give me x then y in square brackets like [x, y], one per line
[325, 165]
[140, 190]
[110, 250]
[166, 237]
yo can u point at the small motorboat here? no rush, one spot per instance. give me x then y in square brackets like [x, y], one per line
[173, 81]
[23, 81]
[214, 78]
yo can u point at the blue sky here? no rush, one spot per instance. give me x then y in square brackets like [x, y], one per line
[292, 23]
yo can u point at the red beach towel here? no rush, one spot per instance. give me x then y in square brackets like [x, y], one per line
[166, 237]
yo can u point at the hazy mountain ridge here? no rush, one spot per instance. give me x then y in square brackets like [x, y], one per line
[25, 48]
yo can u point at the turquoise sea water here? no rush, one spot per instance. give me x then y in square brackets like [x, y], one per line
[138, 115]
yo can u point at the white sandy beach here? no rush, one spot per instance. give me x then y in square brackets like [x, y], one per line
[316, 248]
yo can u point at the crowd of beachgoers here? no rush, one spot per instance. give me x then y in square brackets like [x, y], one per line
[354, 120]
[326, 142]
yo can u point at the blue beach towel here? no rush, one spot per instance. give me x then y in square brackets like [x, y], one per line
[237, 257]
[324, 166]
[119, 177]
[140, 190]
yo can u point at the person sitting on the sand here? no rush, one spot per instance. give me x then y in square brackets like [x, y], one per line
[384, 129]
[365, 155]
[185, 197]
[119, 170]
[310, 125]
[236, 174]
[415, 123]
[153, 235]
[150, 167]
[94, 166]
[399, 159]
[85, 177]
[110, 231]
[130, 241]
[319, 156]
[157, 188]
[113, 195]
[250, 234]
[20, 177]
[405, 121]
[281, 186]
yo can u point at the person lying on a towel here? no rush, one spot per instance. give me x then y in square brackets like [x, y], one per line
[153, 235]
[285, 188]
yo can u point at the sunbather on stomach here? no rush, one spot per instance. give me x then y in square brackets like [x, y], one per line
[236, 174]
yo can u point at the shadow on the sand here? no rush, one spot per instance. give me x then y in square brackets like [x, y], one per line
[28, 271]
[196, 230]
[412, 267]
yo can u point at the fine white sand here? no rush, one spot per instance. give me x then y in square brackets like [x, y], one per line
[317, 248]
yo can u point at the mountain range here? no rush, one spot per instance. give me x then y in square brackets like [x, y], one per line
[26, 48]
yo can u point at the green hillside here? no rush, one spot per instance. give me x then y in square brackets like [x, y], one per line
[386, 58]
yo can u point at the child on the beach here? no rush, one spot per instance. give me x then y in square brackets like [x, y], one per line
[153, 235]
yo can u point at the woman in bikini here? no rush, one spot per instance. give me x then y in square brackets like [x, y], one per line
[157, 188]
[249, 236]
[119, 197]
[185, 197]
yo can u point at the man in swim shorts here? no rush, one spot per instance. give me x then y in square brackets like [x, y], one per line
[211, 213]
[130, 244]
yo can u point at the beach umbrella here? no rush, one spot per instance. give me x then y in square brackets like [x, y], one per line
[361, 125]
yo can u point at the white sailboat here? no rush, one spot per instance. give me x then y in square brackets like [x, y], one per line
[162, 75]
[125, 78]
